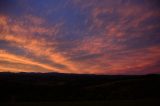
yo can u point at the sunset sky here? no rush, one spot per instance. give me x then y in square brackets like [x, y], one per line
[80, 36]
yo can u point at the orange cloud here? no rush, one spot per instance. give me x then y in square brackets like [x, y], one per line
[23, 36]
[5, 56]
[115, 40]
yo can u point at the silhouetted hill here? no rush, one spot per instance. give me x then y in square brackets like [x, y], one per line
[37, 87]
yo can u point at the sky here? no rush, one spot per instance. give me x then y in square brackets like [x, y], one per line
[80, 36]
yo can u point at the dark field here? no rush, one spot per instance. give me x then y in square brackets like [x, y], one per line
[70, 89]
[89, 103]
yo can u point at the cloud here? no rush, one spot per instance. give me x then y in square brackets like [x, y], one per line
[24, 36]
[5, 56]
[107, 37]
[121, 32]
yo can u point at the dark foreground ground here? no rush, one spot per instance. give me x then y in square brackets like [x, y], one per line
[88, 103]
[53, 89]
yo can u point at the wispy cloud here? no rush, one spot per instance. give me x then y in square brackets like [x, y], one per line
[81, 36]
[24, 36]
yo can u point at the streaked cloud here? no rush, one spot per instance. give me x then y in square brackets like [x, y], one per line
[11, 58]
[80, 36]
[24, 36]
